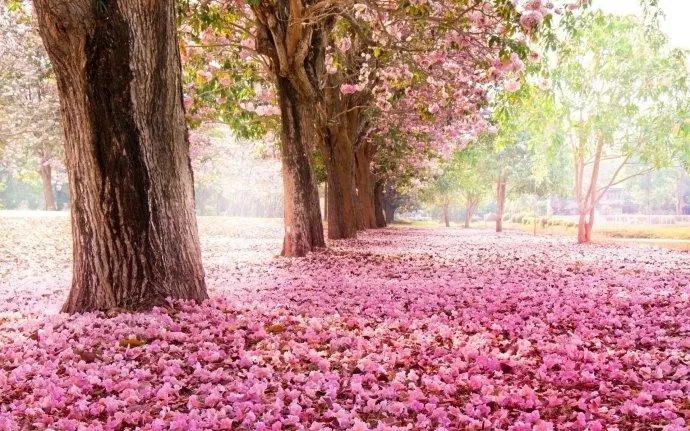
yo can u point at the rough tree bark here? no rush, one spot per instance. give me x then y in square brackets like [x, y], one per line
[501, 199]
[135, 240]
[302, 213]
[47, 181]
[296, 49]
[339, 160]
[338, 152]
[365, 187]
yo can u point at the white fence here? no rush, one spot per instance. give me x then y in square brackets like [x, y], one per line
[636, 219]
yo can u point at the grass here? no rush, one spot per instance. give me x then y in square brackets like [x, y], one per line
[629, 232]
[646, 231]
[674, 236]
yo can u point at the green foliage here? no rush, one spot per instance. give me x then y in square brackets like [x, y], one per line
[467, 177]
[609, 79]
[217, 80]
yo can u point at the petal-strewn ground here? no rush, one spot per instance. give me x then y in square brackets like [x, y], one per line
[434, 329]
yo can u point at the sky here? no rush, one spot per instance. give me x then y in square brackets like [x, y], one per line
[674, 24]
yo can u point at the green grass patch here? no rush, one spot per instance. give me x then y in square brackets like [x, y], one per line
[645, 231]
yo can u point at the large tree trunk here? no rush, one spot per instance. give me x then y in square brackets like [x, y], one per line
[339, 158]
[297, 51]
[378, 204]
[446, 215]
[48, 195]
[501, 200]
[135, 240]
[303, 228]
[365, 188]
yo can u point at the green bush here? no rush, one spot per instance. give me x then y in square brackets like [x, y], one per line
[517, 217]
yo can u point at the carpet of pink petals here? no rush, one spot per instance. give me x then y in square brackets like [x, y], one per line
[401, 329]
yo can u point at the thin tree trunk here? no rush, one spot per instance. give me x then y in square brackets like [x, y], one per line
[589, 226]
[296, 50]
[48, 195]
[135, 240]
[469, 211]
[325, 203]
[446, 218]
[680, 191]
[587, 202]
[303, 228]
[501, 200]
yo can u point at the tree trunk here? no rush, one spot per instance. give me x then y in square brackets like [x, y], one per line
[378, 204]
[446, 218]
[303, 227]
[135, 240]
[325, 201]
[587, 199]
[469, 210]
[48, 195]
[389, 210]
[501, 200]
[365, 189]
[584, 227]
[339, 158]
[389, 198]
[680, 191]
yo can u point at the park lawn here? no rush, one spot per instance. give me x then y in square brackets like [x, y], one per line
[630, 232]
[647, 231]
[428, 328]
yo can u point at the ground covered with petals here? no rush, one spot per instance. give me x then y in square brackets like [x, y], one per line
[424, 329]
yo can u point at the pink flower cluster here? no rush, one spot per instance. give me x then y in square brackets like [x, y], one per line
[399, 329]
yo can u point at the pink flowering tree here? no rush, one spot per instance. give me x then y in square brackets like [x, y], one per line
[343, 65]
[30, 131]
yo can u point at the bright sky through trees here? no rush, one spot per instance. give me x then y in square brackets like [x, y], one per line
[674, 23]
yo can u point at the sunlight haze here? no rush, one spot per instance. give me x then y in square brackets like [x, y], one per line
[674, 22]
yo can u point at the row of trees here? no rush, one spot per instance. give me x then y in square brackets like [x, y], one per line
[118, 73]
[373, 90]
[368, 90]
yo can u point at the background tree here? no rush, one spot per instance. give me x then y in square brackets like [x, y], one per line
[467, 178]
[30, 133]
[528, 143]
[319, 54]
[615, 82]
